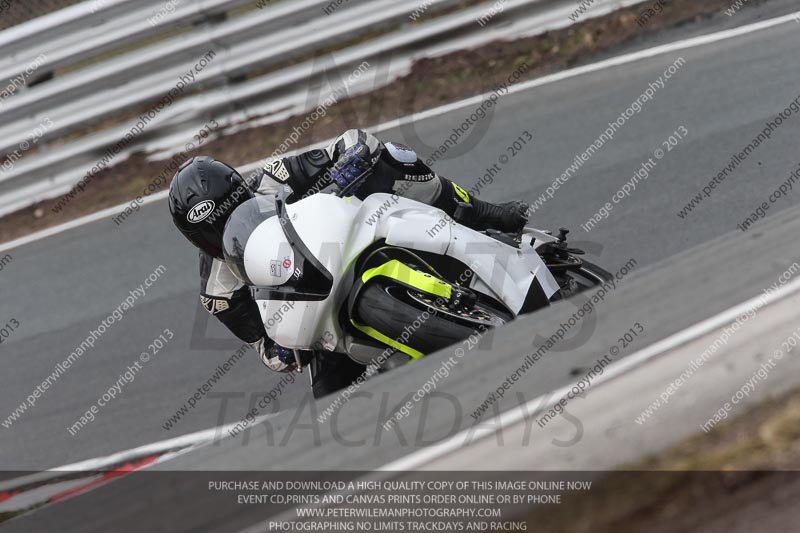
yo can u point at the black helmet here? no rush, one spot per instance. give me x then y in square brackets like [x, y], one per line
[202, 195]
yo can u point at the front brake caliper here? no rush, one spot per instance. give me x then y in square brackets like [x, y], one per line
[461, 298]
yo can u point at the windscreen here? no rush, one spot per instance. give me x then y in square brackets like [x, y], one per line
[241, 224]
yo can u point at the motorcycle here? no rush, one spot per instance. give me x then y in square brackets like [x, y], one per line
[348, 284]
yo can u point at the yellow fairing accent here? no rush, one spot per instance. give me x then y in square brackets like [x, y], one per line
[380, 337]
[464, 195]
[406, 275]
[394, 269]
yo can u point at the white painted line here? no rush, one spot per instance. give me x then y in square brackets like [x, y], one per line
[176, 446]
[542, 403]
[601, 65]
[42, 494]
[437, 111]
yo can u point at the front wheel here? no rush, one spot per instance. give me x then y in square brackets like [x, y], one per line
[417, 323]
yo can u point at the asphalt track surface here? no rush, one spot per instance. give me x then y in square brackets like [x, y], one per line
[62, 287]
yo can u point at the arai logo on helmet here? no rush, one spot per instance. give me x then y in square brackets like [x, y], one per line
[200, 212]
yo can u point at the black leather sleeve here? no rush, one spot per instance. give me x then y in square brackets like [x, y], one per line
[239, 313]
[449, 199]
[308, 172]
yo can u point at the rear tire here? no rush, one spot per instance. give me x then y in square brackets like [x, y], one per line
[584, 278]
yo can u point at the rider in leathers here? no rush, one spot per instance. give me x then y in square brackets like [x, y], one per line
[395, 168]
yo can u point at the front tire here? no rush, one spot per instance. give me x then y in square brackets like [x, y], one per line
[394, 312]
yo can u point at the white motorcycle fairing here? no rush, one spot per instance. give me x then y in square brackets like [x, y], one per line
[335, 231]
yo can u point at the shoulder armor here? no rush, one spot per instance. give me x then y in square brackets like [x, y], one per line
[401, 153]
[277, 170]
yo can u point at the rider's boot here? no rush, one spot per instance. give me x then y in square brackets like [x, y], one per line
[509, 217]
[481, 215]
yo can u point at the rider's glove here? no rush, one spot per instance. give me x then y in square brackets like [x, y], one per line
[353, 162]
[278, 358]
[285, 355]
[271, 357]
